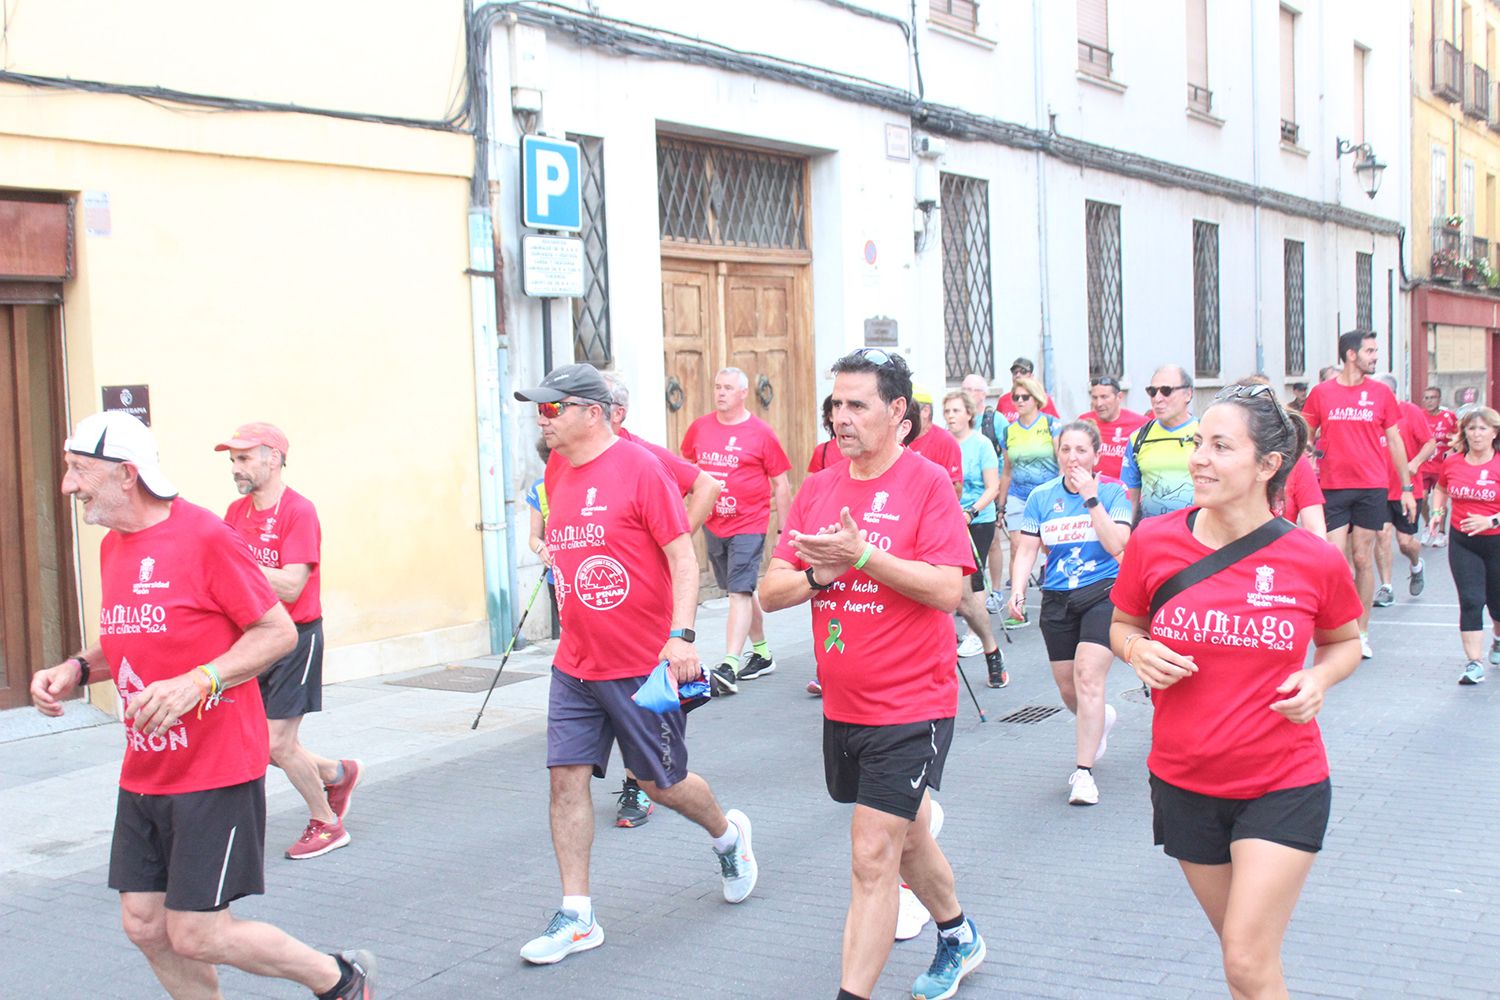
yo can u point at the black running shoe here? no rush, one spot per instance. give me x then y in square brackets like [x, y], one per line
[999, 676]
[361, 984]
[757, 666]
[721, 681]
[635, 807]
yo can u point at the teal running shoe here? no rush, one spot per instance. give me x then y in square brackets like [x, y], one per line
[1495, 652]
[1473, 673]
[951, 963]
[563, 936]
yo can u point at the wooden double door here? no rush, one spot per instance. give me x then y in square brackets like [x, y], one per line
[754, 316]
[38, 599]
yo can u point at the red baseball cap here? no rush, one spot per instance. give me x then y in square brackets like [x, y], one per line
[253, 436]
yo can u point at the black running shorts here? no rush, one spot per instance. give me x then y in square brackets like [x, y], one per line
[1198, 828]
[886, 768]
[1361, 508]
[203, 849]
[1073, 616]
[293, 685]
[1402, 523]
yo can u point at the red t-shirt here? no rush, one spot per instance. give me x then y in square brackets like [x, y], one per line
[1302, 490]
[825, 454]
[745, 457]
[1442, 424]
[606, 524]
[1006, 407]
[684, 474]
[940, 446]
[284, 534]
[1114, 438]
[1248, 628]
[883, 658]
[1474, 489]
[172, 597]
[1414, 434]
[1353, 420]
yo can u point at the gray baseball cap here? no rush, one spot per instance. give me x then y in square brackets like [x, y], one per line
[583, 381]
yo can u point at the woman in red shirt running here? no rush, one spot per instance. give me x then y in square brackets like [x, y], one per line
[1239, 777]
[1470, 477]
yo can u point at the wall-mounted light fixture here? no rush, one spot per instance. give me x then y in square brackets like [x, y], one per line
[1366, 167]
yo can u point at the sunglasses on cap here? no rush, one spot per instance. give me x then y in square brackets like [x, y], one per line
[1108, 380]
[1163, 390]
[554, 410]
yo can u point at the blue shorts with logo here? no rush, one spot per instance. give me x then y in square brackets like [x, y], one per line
[585, 717]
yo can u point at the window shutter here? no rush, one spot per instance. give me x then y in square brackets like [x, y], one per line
[1197, 42]
[1288, 66]
[1093, 22]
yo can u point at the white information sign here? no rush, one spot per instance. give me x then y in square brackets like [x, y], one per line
[552, 266]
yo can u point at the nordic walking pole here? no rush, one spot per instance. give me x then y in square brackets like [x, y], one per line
[971, 691]
[986, 578]
[510, 646]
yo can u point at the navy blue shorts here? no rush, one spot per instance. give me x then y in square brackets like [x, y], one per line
[585, 717]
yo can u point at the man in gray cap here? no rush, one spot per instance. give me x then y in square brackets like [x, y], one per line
[1006, 407]
[627, 592]
[185, 616]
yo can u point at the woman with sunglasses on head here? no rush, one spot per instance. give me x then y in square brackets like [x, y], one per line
[1030, 445]
[1084, 524]
[1470, 478]
[1215, 607]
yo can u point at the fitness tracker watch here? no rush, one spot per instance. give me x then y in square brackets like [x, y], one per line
[685, 634]
[1090, 503]
[814, 584]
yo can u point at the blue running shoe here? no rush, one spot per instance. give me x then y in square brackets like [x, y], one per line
[1473, 673]
[951, 963]
[1495, 652]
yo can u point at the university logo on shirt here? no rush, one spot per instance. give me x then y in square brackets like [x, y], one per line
[1364, 397]
[878, 503]
[1484, 477]
[590, 508]
[731, 446]
[147, 565]
[1264, 579]
[1265, 583]
[144, 584]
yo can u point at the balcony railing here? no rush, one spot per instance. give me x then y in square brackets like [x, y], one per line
[1289, 132]
[1447, 71]
[1447, 251]
[1477, 100]
[1095, 60]
[1200, 98]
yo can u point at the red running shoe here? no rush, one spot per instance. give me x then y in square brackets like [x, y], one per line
[318, 839]
[341, 793]
[815, 687]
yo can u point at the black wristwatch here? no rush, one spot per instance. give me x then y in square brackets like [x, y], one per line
[83, 669]
[1090, 503]
[685, 634]
[814, 584]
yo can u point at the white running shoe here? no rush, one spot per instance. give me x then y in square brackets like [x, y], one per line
[1439, 539]
[1110, 715]
[737, 865]
[1365, 651]
[1081, 789]
[911, 917]
[970, 646]
[563, 936]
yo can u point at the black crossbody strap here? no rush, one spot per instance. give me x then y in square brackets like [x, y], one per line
[1218, 561]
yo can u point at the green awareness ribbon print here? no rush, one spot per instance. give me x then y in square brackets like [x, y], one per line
[835, 629]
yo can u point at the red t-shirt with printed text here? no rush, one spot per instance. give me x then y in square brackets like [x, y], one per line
[1442, 424]
[1114, 439]
[684, 474]
[606, 524]
[940, 446]
[172, 597]
[745, 457]
[284, 534]
[883, 658]
[1352, 421]
[1248, 628]
[1472, 489]
[1414, 434]
[1302, 490]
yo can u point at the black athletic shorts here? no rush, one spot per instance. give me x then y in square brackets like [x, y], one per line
[1199, 828]
[1399, 520]
[735, 559]
[293, 685]
[1073, 616]
[982, 535]
[203, 849]
[886, 768]
[1361, 508]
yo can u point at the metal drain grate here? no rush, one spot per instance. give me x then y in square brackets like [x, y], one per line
[467, 680]
[1028, 715]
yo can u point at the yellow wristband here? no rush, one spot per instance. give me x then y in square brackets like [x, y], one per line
[865, 556]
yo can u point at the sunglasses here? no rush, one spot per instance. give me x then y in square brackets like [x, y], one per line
[554, 410]
[1251, 392]
[1108, 380]
[873, 354]
[1020, 397]
[1164, 390]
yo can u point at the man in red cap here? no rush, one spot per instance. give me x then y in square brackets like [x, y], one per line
[281, 528]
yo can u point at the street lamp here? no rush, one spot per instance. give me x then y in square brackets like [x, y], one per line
[1366, 167]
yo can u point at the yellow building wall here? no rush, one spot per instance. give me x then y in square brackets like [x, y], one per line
[290, 268]
[1436, 122]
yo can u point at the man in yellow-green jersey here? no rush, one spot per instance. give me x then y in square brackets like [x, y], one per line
[1155, 471]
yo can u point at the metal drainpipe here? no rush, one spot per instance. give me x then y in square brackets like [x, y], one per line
[490, 379]
[1260, 339]
[1042, 121]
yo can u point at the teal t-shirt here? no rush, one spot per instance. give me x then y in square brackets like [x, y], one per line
[979, 455]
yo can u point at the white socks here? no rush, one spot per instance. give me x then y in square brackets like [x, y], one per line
[724, 844]
[581, 905]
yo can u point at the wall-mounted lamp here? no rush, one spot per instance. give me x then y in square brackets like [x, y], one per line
[1366, 167]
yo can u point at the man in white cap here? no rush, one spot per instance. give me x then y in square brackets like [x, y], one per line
[281, 528]
[185, 619]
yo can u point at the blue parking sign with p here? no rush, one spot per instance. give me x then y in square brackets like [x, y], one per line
[550, 191]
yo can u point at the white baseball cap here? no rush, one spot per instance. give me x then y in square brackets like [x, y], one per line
[119, 437]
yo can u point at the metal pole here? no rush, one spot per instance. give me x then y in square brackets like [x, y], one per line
[546, 335]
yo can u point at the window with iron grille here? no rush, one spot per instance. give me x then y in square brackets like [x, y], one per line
[968, 313]
[591, 339]
[1206, 298]
[1364, 298]
[728, 196]
[960, 14]
[1101, 223]
[1294, 306]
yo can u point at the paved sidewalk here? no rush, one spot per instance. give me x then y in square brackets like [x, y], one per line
[451, 869]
